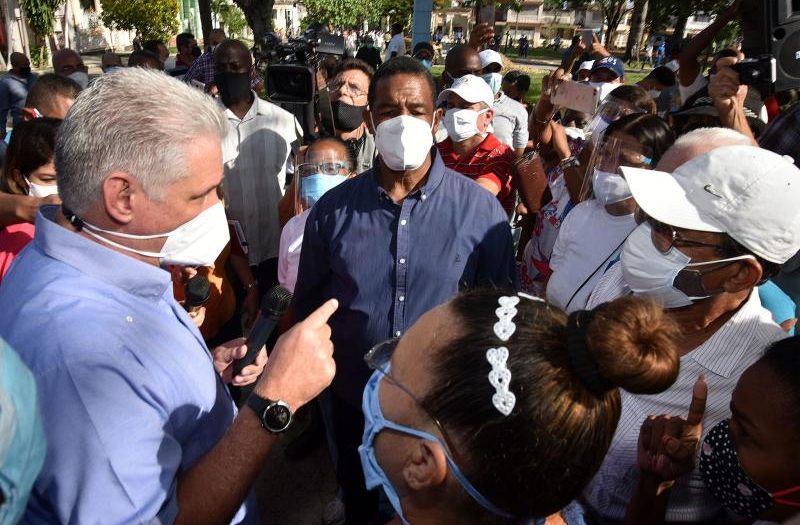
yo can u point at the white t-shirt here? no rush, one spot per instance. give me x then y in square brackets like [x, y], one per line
[289, 252]
[687, 91]
[588, 242]
[396, 45]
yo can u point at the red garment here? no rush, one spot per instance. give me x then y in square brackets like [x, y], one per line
[12, 240]
[492, 160]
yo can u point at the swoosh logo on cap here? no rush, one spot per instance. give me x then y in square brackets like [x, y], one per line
[710, 189]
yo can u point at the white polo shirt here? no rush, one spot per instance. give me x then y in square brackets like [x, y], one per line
[722, 359]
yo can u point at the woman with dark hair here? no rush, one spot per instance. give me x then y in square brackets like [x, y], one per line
[592, 235]
[750, 462]
[496, 409]
[28, 170]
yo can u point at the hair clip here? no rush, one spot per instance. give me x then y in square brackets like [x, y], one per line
[531, 297]
[500, 376]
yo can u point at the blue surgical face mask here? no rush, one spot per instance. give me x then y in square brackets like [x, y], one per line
[315, 186]
[374, 424]
[427, 63]
[22, 441]
[495, 81]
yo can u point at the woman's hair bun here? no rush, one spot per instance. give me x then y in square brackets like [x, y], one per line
[633, 343]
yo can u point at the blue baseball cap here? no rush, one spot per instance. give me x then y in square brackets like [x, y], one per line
[613, 64]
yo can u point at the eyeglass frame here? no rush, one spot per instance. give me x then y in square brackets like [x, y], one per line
[370, 358]
[337, 166]
[676, 241]
[353, 92]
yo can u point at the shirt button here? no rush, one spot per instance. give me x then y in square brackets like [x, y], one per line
[424, 196]
[401, 298]
[403, 222]
[402, 261]
[129, 319]
[397, 333]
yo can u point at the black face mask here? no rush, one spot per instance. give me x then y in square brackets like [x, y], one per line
[24, 72]
[233, 87]
[347, 117]
[196, 52]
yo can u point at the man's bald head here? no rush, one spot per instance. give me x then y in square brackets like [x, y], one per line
[66, 62]
[697, 143]
[232, 55]
[18, 60]
[461, 60]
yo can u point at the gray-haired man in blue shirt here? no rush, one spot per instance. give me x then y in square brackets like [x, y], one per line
[139, 425]
[390, 245]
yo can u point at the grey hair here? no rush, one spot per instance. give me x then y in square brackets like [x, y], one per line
[699, 142]
[135, 121]
[714, 136]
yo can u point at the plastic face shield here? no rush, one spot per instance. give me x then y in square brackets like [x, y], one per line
[320, 171]
[610, 110]
[612, 153]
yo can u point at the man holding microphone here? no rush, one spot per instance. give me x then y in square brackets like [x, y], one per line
[139, 425]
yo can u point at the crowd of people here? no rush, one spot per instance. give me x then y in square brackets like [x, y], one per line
[502, 314]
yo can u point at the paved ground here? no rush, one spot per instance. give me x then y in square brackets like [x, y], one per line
[294, 492]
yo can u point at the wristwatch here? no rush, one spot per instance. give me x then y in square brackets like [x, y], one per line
[275, 416]
[569, 162]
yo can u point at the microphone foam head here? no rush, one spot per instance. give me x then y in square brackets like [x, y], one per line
[197, 290]
[276, 301]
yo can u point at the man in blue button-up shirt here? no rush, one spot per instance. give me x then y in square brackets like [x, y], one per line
[139, 426]
[14, 87]
[390, 245]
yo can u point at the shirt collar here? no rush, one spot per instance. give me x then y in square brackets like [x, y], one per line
[723, 351]
[255, 109]
[97, 261]
[489, 143]
[435, 176]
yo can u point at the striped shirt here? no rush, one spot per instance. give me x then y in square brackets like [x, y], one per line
[492, 161]
[722, 359]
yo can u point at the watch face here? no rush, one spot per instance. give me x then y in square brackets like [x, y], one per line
[277, 417]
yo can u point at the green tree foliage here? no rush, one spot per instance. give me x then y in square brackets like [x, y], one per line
[230, 17]
[41, 15]
[156, 19]
[344, 13]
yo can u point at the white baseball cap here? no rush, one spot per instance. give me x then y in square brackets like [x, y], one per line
[586, 66]
[471, 88]
[750, 193]
[490, 56]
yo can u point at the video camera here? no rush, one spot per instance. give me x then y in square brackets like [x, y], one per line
[290, 67]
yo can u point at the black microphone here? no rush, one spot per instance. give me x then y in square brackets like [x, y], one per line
[197, 291]
[273, 305]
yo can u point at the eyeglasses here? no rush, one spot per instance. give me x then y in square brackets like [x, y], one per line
[326, 168]
[346, 88]
[665, 236]
[378, 358]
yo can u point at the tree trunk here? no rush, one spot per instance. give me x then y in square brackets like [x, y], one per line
[637, 29]
[259, 16]
[205, 18]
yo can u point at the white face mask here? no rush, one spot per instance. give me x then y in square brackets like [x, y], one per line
[197, 242]
[81, 78]
[41, 190]
[650, 273]
[609, 187]
[462, 124]
[403, 142]
[654, 93]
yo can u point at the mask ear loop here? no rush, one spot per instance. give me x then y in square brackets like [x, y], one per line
[778, 497]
